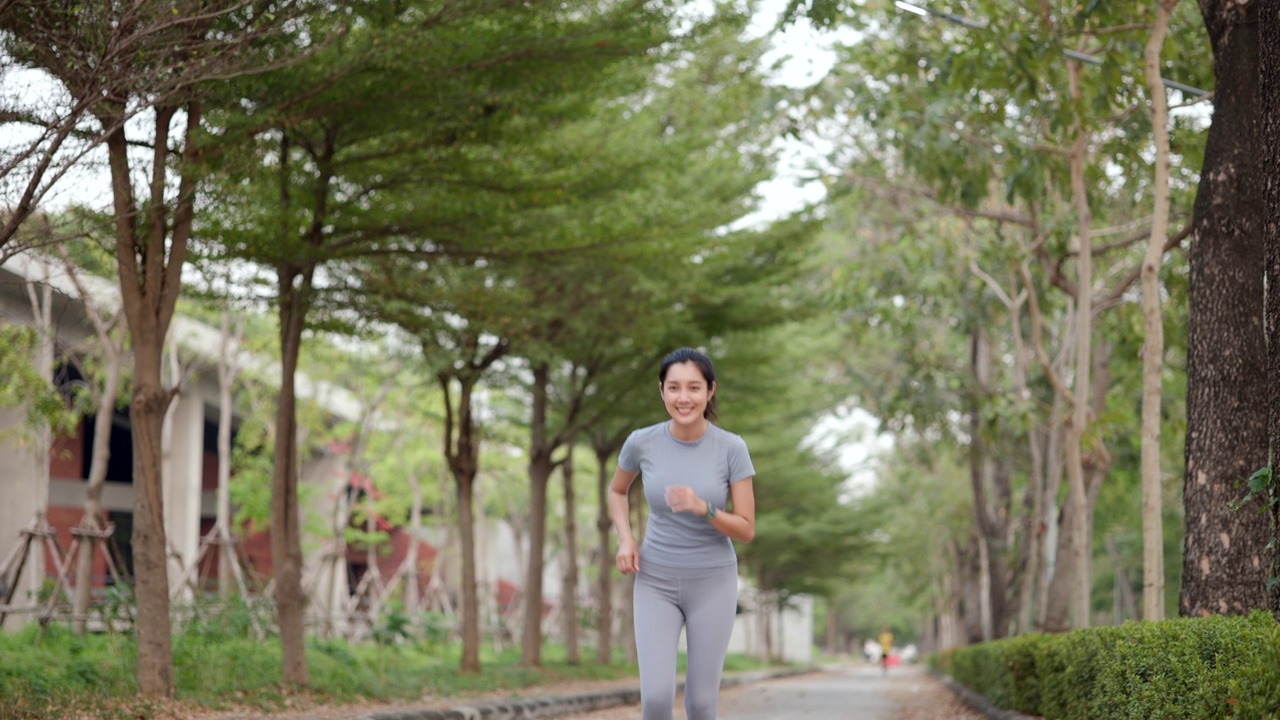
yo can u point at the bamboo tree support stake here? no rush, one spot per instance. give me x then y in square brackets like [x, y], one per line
[80, 536]
[17, 559]
[225, 547]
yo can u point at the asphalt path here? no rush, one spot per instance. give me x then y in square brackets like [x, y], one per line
[853, 692]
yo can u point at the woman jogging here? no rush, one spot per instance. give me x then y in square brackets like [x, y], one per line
[687, 571]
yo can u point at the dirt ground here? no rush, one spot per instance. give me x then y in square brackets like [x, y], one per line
[933, 701]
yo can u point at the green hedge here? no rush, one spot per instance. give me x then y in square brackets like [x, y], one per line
[1183, 669]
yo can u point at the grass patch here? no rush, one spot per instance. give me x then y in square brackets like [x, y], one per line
[219, 667]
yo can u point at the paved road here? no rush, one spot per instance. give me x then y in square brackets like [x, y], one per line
[856, 692]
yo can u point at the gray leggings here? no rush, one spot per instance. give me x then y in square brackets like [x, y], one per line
[704, 601]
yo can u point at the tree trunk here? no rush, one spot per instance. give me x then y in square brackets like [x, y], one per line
[540, 467]
[149, 260]
[294, 284]
[1052, 516]
[1030, 546]
[462, 451]
[1078, 542]
[155, 674]
[992, 509]
[1033, 534]
[604, 583]
[569, 588]
[979, 366]
[1057, 614]
[1225, 560]
[950, 619]
[1270, 126]
[1153, 328]
[539, 473]
[1060, 598]
[1124, 603]
[972, 587]
[999, 519]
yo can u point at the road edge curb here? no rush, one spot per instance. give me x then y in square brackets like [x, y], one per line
[978, 701]
[560, 705]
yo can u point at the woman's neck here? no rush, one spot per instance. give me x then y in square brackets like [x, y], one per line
[688, 434]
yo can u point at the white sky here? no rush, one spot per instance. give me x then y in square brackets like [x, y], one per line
[803, 56]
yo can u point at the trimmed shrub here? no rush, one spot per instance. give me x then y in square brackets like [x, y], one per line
[1217, 667]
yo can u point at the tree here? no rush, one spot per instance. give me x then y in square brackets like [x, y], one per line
[606, 440]
[462, 453]
[111, 59]
[648, 173]
[1269, 86]
[1153, 329]
[932, 105]
[1224, 567]
[389, 145]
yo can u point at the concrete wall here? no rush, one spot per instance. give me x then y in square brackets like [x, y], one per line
[21, 500]
[324, 514]
[182, 467]
[790, 629]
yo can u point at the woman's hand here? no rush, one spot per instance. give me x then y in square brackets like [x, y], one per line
[682, 498]
[628, 558]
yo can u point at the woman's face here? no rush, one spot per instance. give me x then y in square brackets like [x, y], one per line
[686, 392]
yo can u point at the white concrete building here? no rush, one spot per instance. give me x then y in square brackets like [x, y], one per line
[48, 490]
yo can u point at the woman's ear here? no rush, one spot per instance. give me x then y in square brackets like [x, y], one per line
[713, 391]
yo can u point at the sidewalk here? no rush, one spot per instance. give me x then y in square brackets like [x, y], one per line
[622, 698]
[561, 705]
[558, 700]
[837, 691]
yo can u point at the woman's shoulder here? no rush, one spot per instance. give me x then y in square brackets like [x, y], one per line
[648, 432]
[727, 437]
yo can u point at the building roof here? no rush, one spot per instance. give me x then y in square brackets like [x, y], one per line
[200, 340]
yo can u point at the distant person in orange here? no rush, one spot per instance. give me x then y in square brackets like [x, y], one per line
[886, 643]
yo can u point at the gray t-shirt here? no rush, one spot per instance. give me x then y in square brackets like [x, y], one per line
[708, 465]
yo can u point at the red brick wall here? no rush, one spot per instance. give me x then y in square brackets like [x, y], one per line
[62, 518]
[255, 550]
[390, 561]
[392, 556]
[209, 472]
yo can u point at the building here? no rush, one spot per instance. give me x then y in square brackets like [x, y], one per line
[46, 494]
